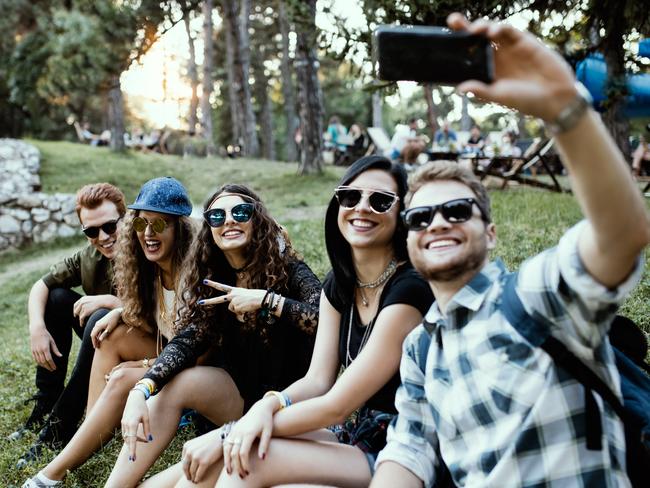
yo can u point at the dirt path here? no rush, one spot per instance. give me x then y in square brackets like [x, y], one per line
[33, 264]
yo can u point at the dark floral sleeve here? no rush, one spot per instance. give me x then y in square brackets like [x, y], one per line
[181, 353]
[301, 307]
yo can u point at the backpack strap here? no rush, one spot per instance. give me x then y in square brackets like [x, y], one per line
[538, 334]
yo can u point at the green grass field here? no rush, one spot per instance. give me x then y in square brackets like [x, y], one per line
[528, 221]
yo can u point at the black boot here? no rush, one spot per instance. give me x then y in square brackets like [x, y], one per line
[41, 409]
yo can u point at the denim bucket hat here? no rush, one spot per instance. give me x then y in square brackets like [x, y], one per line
[165, 195]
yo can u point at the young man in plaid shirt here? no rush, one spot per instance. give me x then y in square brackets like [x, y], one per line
[476, 397]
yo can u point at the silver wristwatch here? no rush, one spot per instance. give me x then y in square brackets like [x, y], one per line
[572, 113]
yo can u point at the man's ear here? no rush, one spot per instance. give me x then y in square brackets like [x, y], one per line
[491, 236]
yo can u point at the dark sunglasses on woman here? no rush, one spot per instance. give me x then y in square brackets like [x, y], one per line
[158, 225]
[379, 201]
[453, 211]
[108, 227]
[216, 217]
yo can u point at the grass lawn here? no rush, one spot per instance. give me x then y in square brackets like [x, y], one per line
[528, 221]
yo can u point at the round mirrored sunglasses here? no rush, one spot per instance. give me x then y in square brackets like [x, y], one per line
[216, 217]
[158, 225]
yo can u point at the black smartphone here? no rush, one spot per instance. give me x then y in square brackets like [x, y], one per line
[431, 54]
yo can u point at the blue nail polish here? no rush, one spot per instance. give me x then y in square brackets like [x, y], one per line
[205, 282]
[200, 302]
[150, 437]
[130, 458]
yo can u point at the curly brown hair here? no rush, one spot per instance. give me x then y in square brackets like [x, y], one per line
[268, 257]
[135, 276]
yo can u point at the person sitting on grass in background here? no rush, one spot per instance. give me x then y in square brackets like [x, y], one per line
[263, 322]
[155, 238]
[371, 299]
[477, 399]
[55, 311]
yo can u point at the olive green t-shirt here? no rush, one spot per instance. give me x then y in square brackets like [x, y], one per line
[87, 268]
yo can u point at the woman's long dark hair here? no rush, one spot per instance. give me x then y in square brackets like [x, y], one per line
[268, 257]
[338, 249]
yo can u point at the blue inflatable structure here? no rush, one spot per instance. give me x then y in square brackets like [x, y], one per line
[592, 72]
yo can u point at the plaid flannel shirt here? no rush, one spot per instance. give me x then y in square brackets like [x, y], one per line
[498, 411]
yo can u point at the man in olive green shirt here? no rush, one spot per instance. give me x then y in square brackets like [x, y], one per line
[55, 311]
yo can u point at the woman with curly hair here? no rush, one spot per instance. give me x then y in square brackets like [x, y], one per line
[154, 240]
[371, 300]
[263, 323]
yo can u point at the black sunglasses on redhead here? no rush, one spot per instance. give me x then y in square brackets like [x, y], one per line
[379, 201]
[454, 211]
[216, 217]
[108, 227]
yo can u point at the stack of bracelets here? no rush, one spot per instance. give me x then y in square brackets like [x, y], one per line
[282, 397]
[146, 386]
[269, 306]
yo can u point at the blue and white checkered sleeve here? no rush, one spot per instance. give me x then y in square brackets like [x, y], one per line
[411, 437]
[556, 285]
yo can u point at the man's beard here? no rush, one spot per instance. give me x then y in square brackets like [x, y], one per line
[468, 265]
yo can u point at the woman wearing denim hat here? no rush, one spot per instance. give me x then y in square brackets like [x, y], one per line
[371, 300]
[155, 238]
[260, 305]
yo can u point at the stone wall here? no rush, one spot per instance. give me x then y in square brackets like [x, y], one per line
[26, 214]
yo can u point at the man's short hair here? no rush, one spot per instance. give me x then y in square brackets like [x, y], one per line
[91, 196]
[450, 170]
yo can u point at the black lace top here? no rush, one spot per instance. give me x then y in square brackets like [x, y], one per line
[256, 364]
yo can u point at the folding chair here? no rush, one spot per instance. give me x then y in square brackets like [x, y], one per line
[537, 154]
[379, 141]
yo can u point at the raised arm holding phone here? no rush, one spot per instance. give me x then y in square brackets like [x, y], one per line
[514, 419]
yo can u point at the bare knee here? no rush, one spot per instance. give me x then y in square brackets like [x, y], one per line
[120, 382]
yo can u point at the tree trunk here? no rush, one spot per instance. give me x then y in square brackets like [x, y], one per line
[235, 111]
[287, 86]
[268, 144]
[251, 142]
[116, 114]
[193, 75]
[616, 89]
[431, 109]
[309, 91]
[206, 108]
[237, 24]
[261, 89]
[465, 119]
[377, 111]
